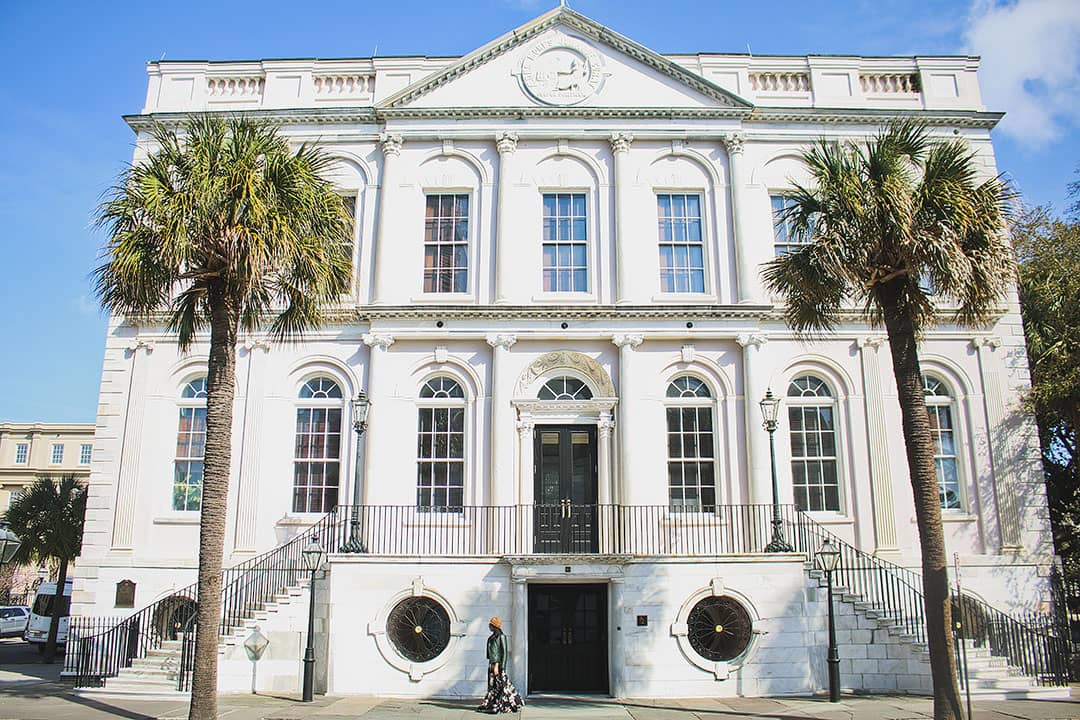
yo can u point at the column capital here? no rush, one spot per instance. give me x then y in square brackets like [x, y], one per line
[756, 340]
[620, 142]
[501, 341]
[991, 341]
[145, 345]
[604, 426]
[506, 142]
[733, 142]
[870, 341]
[378, 340]
[391, 144]
[628, 340]
[525, 425]
[252, 344]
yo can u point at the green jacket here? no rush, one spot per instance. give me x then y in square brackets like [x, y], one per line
[497, 649]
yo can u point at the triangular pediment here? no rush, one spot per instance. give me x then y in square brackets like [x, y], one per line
[563, 59]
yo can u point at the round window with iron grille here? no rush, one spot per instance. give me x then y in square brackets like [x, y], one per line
[419, 628]
[719, 628]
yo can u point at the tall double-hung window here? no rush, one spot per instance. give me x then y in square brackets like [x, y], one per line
[190, 446]
[939, 405]
[785, 239]
[691, 448]
[812, 428]
[317, 449]
[682, 247]
[446, 244]
[440, 452]
[565, 243]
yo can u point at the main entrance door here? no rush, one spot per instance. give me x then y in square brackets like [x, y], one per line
[565, 517]
[568, 638]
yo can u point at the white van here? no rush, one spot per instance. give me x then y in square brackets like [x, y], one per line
[37, 628]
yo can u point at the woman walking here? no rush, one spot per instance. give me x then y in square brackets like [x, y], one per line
[501, 696]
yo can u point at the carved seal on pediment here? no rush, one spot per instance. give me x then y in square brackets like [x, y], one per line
[561, 70]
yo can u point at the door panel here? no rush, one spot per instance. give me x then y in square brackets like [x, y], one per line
[565, 479]
[568, 638]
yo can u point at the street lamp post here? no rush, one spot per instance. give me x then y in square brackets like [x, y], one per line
[827, 559]
[360, 405]
[770, 408]
[313, 558]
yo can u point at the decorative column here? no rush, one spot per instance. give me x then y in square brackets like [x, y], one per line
[749, 290]
[525, 427]
[519, 625]
[131, 448]
[877, 441]
[247, 487]
[618, 642]
[391, 149]
[604, 426]
[757, 446]
[378, 344]
[506, 144]
[501, 489]
[620, 149]
[997, 440]
[625, 490]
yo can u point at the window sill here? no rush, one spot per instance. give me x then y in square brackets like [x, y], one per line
[192, 518]
[436, 298]
[957, 517]
[564, 297]
[830, 518]
[688, 297]
[300, 519]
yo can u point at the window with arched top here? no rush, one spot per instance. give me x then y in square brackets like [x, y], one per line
[691, 446]
[939, 405]
[815, 479]
[317, 447]
[565, 388]
[190, 446]
[440, 452]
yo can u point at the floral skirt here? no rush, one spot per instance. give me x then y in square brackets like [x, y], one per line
[501, 696]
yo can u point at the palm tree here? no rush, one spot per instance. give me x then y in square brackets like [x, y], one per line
[223, 226]
[48, 519]
[884, 222]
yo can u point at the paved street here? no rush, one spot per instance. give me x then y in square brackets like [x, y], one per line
[30, 690]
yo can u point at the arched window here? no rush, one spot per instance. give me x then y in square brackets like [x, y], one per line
[440, 452]
[565, 388]
[812, 429]
[939, 407]
[691, 447]
[190, 445]
[317, 456]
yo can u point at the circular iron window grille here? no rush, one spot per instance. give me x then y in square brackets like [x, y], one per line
[719, 628]
[419, 628]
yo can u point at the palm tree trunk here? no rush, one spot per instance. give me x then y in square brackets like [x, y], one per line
[220, 390]
[59, 609]
[920, 447]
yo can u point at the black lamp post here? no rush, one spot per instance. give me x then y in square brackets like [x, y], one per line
[770, 408]
[827, 559]
[360, 405]
[9, 544]
[313, 558]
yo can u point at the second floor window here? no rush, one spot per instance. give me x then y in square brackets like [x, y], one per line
[812, 428]
[85, 452]
[317, 454]
[566, 249]
[57, 455]
[939, 407]
[440, 451]
[682, 251]
[691, 450]
[446, 244]
[190, 446]
[785, 239]
[22, 453]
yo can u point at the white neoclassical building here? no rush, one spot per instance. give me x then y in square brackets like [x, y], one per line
[558, 318]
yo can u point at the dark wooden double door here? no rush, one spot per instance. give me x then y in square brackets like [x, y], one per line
[568, 638]
[565, 518]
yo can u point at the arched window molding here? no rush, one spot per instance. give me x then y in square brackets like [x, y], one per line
[318, 444]
[442, 449]
[692, 463]
[190, 446]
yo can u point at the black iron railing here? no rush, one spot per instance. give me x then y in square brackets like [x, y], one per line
[98, 649]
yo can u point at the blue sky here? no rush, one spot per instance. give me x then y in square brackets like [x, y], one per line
[73, 68]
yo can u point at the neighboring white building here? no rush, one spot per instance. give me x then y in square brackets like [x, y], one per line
[559, 320]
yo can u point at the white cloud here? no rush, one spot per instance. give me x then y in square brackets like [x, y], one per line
[1030, 64]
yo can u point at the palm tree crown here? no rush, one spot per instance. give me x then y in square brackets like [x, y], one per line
[48, 518]
[225, 211]
[904, 210]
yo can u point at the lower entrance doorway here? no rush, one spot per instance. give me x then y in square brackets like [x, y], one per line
[568, 647]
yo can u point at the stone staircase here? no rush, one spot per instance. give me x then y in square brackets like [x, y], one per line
[877, 654]
[155, 676]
